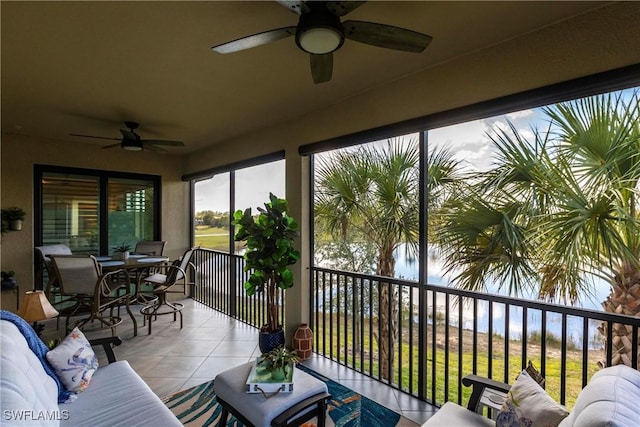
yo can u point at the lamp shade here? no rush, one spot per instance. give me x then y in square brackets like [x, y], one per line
[35, 306]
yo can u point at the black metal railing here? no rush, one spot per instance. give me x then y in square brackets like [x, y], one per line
[461, 332]
[219, 284]
[423, 339]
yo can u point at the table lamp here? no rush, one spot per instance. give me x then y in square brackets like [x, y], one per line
[35, 307]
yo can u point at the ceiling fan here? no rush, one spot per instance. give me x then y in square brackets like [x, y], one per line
[320, 33]
[131, 141]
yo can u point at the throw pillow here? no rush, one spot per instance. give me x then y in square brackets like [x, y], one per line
[528, 405]
[74, 361]
[535, 374]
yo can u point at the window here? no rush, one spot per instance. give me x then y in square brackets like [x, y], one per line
[241, 185]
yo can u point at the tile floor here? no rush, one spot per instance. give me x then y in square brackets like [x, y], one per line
[172, 359]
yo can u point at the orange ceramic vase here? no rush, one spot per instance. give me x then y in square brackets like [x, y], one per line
[303, 341]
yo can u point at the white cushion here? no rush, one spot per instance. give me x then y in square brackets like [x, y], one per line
[451, 415]
[231, 386]
[24, 384]
[611, 398]
[530, 405]
[74, 361]
[117, 396]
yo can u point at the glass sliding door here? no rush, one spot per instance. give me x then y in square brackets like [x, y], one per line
[130, 211]
[91, 211]
[70, 211]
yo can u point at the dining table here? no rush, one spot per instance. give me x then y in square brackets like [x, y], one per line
[135, 268]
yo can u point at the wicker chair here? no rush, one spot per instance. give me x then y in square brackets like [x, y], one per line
[80, 278]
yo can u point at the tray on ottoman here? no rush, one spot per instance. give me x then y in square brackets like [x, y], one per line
[260, 381]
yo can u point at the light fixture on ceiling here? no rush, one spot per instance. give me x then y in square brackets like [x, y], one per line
[320, 40]
[131, 145]
[319, 33]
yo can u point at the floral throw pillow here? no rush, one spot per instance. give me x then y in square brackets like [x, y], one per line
[74, 361]
[528, 405]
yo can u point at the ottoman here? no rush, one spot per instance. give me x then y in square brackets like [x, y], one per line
[307, 400]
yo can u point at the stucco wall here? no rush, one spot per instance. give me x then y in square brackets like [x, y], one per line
[20, 153]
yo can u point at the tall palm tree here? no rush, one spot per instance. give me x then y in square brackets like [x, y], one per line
[557, 211]
[371, 192]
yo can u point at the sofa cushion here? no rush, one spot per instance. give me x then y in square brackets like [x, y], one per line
[74, 361]
[452, 414]
[611, 398]
[117, 396]
[527, 404]
[26, 390]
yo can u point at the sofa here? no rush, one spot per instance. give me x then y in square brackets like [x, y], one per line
[115, 396]
[611, 399]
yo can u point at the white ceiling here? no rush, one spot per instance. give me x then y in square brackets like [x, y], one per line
[86, 67]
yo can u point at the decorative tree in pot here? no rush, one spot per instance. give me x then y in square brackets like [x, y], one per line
[269, 240]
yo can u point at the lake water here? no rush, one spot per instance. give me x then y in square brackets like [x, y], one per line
[409, 270]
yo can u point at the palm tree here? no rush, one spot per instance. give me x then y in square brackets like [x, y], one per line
[371, 193]
[557, 211]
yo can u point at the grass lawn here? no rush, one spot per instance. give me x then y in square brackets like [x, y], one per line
[211, 237]
[445, 366]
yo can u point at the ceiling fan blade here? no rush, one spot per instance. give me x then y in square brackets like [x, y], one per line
[298, 7]
[112, 146]
[321, 67]
[162, 142]
[96, 137]
[151, 147]
[341, 8]
[255, 40]
[387, 36]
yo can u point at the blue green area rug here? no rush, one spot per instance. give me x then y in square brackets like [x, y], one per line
[197, 406]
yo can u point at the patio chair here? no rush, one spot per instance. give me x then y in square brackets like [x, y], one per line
[150, 247]
[173, 279]
[80, 280]
[43, 263]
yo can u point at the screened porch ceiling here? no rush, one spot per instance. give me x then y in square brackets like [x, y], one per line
[86, 67]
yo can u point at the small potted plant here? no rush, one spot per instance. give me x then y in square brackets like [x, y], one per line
[123, 250]
[8, 282]
[279, 362]
[269, 237]
[14, 217]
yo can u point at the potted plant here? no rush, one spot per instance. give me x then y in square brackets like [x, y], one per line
[14, 217]
[8, 282]
[279, 362]
[269, 241]
[123, 250]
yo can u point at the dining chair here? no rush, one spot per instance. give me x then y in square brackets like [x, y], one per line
[43, 264]
[173, 278]
[80, 278]
[150, 247]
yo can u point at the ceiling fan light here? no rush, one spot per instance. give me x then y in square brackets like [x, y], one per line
[132, 148]
[320, 40]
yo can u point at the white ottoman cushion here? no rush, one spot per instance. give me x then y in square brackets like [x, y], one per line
[231, 386]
